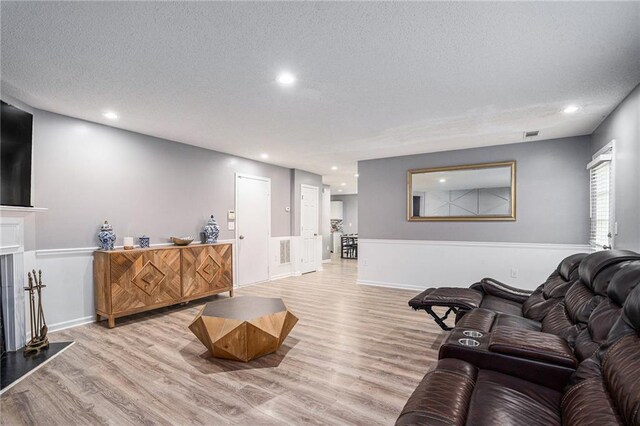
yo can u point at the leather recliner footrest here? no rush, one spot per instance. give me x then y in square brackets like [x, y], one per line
[456, 299]
[450, 297]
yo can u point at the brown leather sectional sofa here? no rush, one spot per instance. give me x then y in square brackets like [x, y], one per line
[576, 364]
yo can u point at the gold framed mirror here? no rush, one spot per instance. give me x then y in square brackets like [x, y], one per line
[472, 192]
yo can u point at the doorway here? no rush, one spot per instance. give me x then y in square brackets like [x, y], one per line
[253, 228]
[309, 227]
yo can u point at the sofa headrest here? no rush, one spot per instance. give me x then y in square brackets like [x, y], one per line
[632, 309]
[623, 282]
[596, 262]
[569, 265]
[600, 284]
[628, 323]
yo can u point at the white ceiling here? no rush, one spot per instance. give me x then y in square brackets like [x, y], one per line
[375, 79]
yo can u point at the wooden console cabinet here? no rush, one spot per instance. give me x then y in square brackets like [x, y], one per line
[131, 281]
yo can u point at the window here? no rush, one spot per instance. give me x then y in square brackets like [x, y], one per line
[601, 212]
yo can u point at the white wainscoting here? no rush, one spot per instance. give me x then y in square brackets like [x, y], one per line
[68, 298]
[418, 264]
[277, 270]
[319, 253]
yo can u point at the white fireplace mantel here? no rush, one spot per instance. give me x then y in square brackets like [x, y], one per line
[16, 211]
[14, 262]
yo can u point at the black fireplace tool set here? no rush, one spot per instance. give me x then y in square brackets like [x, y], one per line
[39, 339]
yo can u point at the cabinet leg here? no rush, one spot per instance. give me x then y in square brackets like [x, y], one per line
[231, 292]
[98, 318]
[112, 322]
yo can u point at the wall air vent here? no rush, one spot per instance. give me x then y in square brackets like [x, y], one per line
[285, 252]
[531, 134]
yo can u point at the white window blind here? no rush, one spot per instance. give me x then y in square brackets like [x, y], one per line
[601, 190]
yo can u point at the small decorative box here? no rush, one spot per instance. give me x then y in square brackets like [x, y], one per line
[143, 241]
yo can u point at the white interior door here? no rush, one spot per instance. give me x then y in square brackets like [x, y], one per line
[253, 228]
[308, 227]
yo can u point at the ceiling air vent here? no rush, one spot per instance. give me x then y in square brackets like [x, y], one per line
[531, 134]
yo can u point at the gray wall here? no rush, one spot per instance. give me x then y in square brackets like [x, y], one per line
[623, 125]
[300, 177]
[86, 173]
[349, 212]
[552, 195]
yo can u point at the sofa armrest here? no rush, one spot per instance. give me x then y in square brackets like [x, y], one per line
[532, 345]
[543, 372]
[442, 397]
[499, 289]
[478, 319]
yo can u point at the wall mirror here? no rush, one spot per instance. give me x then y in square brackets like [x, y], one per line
[462, 193]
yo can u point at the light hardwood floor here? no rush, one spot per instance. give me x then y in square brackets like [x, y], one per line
[354, 357]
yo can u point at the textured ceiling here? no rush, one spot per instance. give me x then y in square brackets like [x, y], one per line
[375, 79]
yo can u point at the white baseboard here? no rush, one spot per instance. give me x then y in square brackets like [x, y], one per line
[281, 276]
[326, 260]
[70, 324]
[398, 286]
[419, 264]
[251, 284]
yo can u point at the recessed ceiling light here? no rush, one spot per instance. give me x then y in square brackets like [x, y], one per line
[571, 109]
[334, 167]
[356, 175]
[343, 184]
[286, 79]
[443, 180]
[110, 115]
[264, 155]
[339, 190]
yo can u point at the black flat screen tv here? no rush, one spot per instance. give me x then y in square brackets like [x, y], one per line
[15, 156]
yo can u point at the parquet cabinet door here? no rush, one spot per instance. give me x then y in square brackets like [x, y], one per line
[144, 278]
[206, 269]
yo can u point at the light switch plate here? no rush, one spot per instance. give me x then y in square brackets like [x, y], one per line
[231, 226]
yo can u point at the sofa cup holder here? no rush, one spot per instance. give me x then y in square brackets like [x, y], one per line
[469, 342]
[472, 333]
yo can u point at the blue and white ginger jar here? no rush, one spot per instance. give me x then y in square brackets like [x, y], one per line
[211, 231]
[106, 236]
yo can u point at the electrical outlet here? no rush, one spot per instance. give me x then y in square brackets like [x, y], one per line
[365, 262]
[514, 273]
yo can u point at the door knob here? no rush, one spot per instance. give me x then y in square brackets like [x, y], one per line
[315, 235]
[241, 237]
